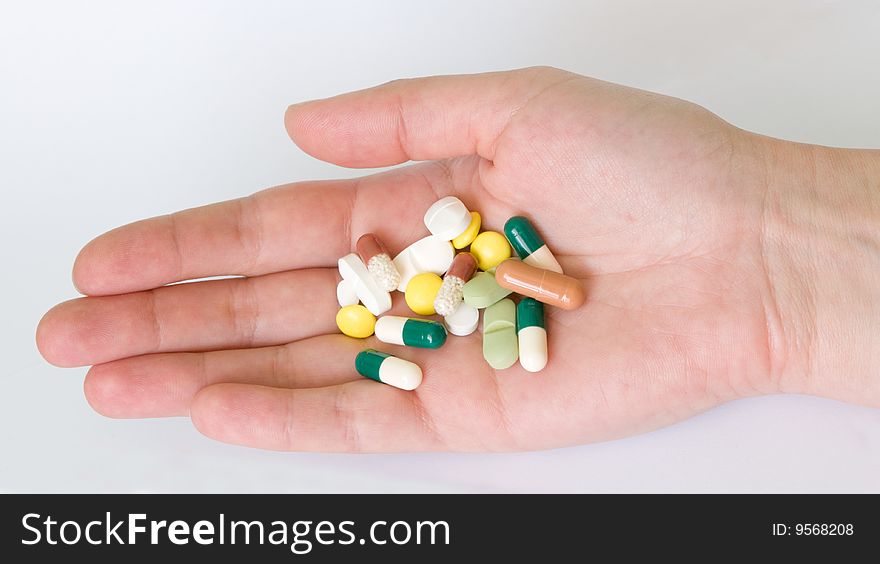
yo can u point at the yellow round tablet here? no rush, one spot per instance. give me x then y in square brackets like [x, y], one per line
[469, 234]
[421, 291]
[356, 321]
[490, 248]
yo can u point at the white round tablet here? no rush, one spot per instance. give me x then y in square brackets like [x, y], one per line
[447, 218]
[429, 254]
[463, 321]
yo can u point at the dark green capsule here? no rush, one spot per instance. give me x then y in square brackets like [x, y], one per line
[367, 363]
[529, 313]
[522, 236]
[423, 333]
[410, 332]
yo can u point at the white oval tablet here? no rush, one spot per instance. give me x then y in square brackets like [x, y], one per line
[429, 254]
[463, 321]
[447, 218]
[345, 294]
[374, 298]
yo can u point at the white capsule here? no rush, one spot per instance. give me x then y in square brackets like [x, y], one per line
[533, 348]
[447, 218]
[345, 294]
[429, 254]
[463, 321]
[389, 329]
[388, 369]
[400, 373]
[353, 271]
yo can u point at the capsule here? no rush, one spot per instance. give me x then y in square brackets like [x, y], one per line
[383, 367]
[410, 332]
[528, 244]
[378, 261]
[544, 285]
[451, 292]
[531, 334]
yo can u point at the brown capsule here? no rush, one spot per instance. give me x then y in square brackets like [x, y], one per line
[463, 266]
[546, 286]
[369, 246]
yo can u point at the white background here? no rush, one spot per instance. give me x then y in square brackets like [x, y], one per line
[111, 112]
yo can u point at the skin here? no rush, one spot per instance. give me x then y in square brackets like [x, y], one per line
[718, 264]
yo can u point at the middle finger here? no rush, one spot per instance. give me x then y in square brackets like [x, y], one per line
[216, 314]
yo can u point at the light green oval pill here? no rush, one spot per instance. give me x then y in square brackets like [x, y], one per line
[482, 291]
[500, 345]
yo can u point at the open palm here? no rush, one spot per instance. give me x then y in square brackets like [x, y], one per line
[652, 202]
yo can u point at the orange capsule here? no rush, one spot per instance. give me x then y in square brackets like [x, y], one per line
[546, 286]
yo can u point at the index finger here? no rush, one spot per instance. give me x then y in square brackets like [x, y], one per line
[304, 225]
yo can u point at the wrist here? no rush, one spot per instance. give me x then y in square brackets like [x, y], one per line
[821, 255]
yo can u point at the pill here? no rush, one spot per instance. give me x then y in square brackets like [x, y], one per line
[421, 291]
[353, 271]
[490, 248]
[451, 292]
[463, 321]
[378, 261]
[500, 344]
[383, 367]
[356, 321]
[429, 254]
[410, 332]
[345, 294]
[469, 234]
[447, 218]
[483, 290]
[544, 285]
[529, 245]
[531, 334]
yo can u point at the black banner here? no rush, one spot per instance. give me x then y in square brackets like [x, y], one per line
[399, 528]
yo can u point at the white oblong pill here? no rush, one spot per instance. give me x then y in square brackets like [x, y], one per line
[345, 293]
[400, 373]
[463, 321]
[389, 329]
[447, 218]
[532, 348]
[374, 298]
[429, 254]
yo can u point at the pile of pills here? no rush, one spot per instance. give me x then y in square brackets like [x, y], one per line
[454, 272]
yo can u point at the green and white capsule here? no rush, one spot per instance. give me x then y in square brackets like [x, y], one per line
[410, 332]
[531, 334]
[383, 367]
[528, 244]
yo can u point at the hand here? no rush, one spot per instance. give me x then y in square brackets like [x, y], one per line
[674, 220]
